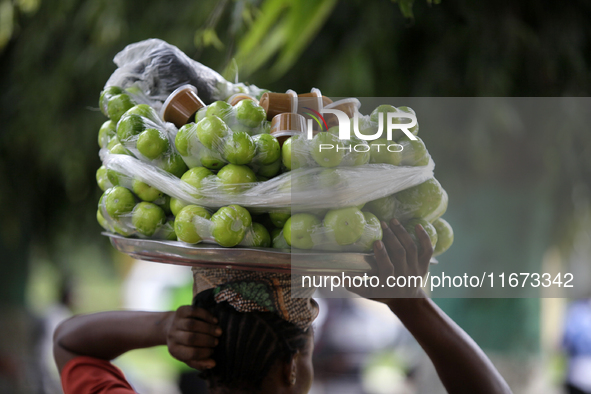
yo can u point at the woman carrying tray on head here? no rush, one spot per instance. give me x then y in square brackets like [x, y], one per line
[248, 335]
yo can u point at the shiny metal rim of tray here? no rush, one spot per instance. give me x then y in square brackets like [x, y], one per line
[252, 259]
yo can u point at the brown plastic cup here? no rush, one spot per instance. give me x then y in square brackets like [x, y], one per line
[181, 105]
[312, 100]
[348, 106]
[238, 97]
[278, 103]
[286, 125]
[325, 100]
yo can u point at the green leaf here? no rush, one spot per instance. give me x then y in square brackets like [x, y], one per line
[406, 7]
[306, 19]
[208, 37]
[283, 27]
[270, 11]
[6, 22]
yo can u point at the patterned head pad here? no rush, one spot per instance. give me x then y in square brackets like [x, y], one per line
[250, 291]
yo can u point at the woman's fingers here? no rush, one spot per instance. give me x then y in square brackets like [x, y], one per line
[385, 267]
[187, 354]
[395, 249]
[426, 248]
[189, 312]
[397, 255]
[198, 313]
[194, 325]
[201, 365]
[194, 339]
[405, 240]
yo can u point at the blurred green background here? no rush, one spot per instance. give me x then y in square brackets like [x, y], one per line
[55, 57]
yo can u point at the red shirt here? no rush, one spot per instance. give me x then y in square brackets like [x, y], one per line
[88, 375]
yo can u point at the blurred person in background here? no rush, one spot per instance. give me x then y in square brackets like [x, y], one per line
[357, 340]
[577, 345]
[54, 314]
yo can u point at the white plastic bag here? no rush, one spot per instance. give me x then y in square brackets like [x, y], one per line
[304, 188]
[152, 69]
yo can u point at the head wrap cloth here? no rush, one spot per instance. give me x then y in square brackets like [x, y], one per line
[252, 291]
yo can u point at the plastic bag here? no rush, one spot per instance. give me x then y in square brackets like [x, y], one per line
[304, 188]
[235, 165]
[145, 136]
[340, 230]
[228, 134]
[233, 225]
[120, 211]
[229, 226]
[152, 69]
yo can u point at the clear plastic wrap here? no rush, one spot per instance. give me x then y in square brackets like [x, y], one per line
[194, 153]
[246, 115]
[445, 236]
[107, 132]
[228, 134]
[337, 230]
[327, 150]
[120, 211]
[189, 156]
[143, 134]
[152, 69]
[341, 230]
[247, 173]
[278, 240]
[309, 188]
[233, 225]
[427, 200]
[114, 102]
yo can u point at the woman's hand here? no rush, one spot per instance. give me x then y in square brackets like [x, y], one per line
[460, 363]
[192, 335]
[398, 256]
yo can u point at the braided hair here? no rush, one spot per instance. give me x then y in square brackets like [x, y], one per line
[251, 342]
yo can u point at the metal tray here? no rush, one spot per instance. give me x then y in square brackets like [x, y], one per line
[252, 259]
